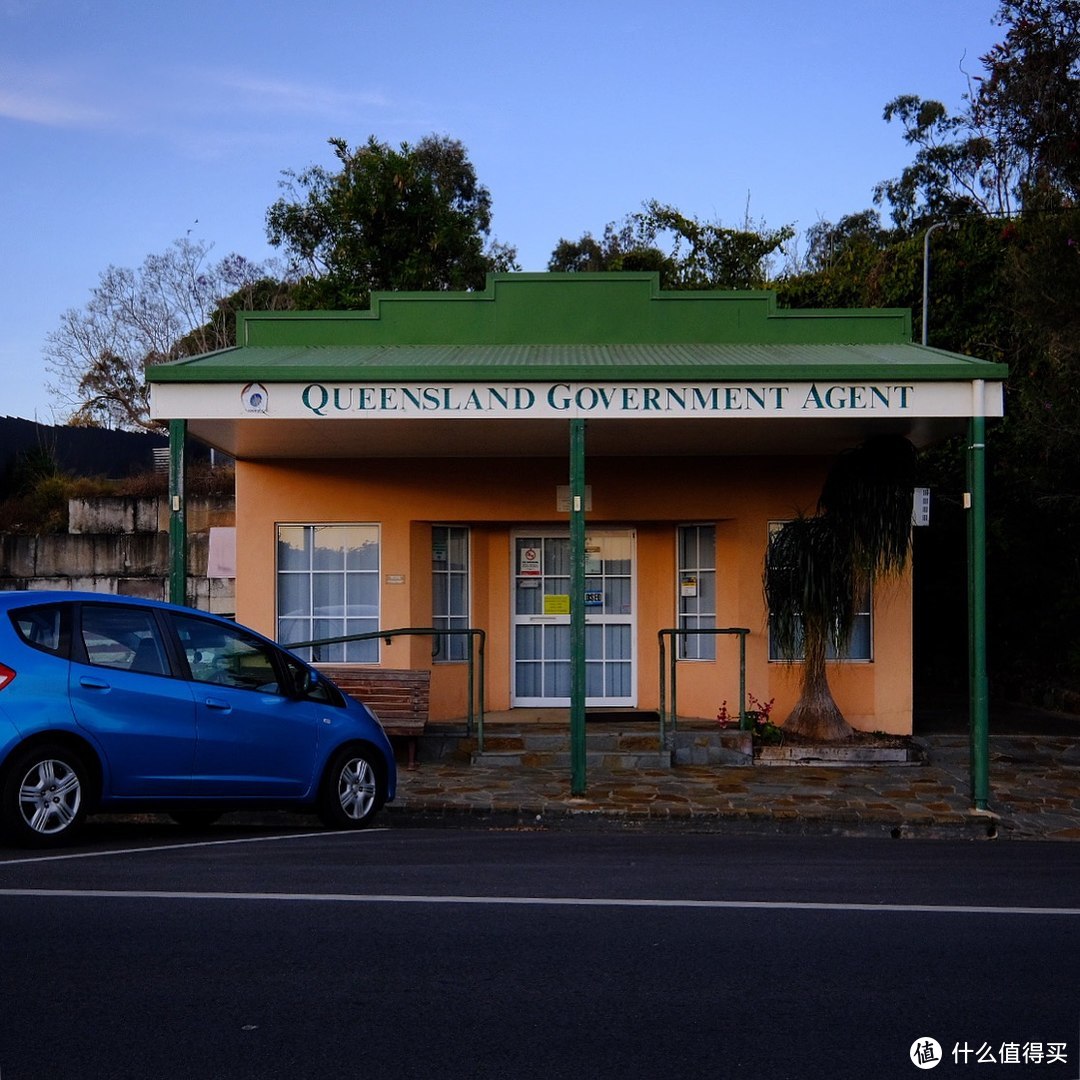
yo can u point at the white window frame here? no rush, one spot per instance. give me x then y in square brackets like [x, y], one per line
[288, 627]
[451, 648]
[695, 647]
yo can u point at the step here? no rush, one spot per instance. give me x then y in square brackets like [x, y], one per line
[836, 756]
[712, 746]
[560, 759]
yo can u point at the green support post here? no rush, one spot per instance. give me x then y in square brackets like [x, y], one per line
[177, 514]
[976, 538]
[577, 607]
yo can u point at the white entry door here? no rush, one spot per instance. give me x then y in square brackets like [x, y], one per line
[541, 599]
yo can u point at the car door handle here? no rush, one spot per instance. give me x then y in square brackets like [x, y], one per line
[217, 703]
[91, 683]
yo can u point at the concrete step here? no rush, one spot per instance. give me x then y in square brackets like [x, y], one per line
[560, 759]
[608, 748]
[837, 756]
[712, 746]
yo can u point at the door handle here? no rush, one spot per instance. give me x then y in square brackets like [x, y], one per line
[216, 703]
[93, 684]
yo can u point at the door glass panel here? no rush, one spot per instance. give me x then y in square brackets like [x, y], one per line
[542, 622]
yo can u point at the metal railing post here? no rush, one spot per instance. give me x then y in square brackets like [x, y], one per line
[669, 669]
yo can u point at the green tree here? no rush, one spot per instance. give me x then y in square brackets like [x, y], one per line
[1004, 286]
[621, 248]
[687, 253]
[410, 218]
[817, 566]
[1016, 143]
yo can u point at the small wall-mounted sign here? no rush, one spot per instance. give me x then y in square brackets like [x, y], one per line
[395, 579]
[562, 498]
[529, 562]
[920, 511]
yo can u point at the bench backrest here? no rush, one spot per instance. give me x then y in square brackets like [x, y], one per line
[394, 694]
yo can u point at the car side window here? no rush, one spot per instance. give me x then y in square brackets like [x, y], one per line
[43, 627]
[227, 655]
[123, 638]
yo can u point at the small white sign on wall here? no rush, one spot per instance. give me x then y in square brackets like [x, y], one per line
[920, 511]
[221, 556]
[562, 498]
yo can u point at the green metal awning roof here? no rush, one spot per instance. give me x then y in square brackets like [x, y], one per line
[448, 373]
[462, 363]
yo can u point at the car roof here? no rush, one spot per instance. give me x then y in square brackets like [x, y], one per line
[25, 597]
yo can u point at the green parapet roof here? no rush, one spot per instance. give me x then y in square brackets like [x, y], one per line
[550, 327]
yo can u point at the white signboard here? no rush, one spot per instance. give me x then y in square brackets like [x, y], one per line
[530, 401]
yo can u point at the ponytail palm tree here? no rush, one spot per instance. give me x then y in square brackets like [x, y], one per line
[816, 567]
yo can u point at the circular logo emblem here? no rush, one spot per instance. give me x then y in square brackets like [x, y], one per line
[925, 1053]
[254, 397]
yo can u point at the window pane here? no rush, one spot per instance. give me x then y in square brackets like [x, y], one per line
[697, 591]
[450, 589]
[328, 594]
[294, 595]
[40, 626]
[124, 638]
[293, 549]
[227, 656]
[328, 586]
[362, 548]
[529, 642]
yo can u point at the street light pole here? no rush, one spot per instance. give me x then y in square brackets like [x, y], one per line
[952, 225]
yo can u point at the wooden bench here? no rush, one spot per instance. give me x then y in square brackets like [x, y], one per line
[399, 697]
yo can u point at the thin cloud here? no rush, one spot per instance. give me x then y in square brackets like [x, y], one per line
[49, 110]
[277, 96]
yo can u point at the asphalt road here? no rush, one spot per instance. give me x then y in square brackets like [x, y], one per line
[438, 953]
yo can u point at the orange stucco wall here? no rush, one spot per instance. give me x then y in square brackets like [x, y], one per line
[496, 497]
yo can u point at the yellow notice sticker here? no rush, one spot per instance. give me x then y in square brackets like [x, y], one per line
[557, 605]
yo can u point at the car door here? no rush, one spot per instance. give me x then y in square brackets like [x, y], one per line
[254, 738]
[125, 694]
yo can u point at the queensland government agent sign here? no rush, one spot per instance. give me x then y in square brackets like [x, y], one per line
[333, 400]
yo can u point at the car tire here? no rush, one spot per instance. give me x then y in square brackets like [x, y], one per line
[45, 795]
[195, 820]
[353, 790]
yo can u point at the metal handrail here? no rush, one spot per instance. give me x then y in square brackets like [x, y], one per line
[474, 658]
[679, 631]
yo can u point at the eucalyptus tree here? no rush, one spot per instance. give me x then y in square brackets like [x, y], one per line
[1015, 144]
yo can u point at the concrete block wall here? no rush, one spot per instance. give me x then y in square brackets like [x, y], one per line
[120, 545]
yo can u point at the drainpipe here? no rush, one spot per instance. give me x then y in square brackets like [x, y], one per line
[177, 514]
[577, 607]
[975, 502]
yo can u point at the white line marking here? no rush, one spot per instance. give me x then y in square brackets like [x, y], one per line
[536, 901]
[188, 844]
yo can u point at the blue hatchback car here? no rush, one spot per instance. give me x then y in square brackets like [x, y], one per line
[116, 704]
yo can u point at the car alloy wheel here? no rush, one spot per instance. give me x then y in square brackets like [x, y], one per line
[44, 797]
[353, 791]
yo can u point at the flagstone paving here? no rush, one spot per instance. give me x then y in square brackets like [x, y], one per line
[1034, 794]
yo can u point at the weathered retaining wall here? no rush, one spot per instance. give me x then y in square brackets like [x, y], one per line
[120, 545]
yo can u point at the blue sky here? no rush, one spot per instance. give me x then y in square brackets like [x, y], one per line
[125, 124]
